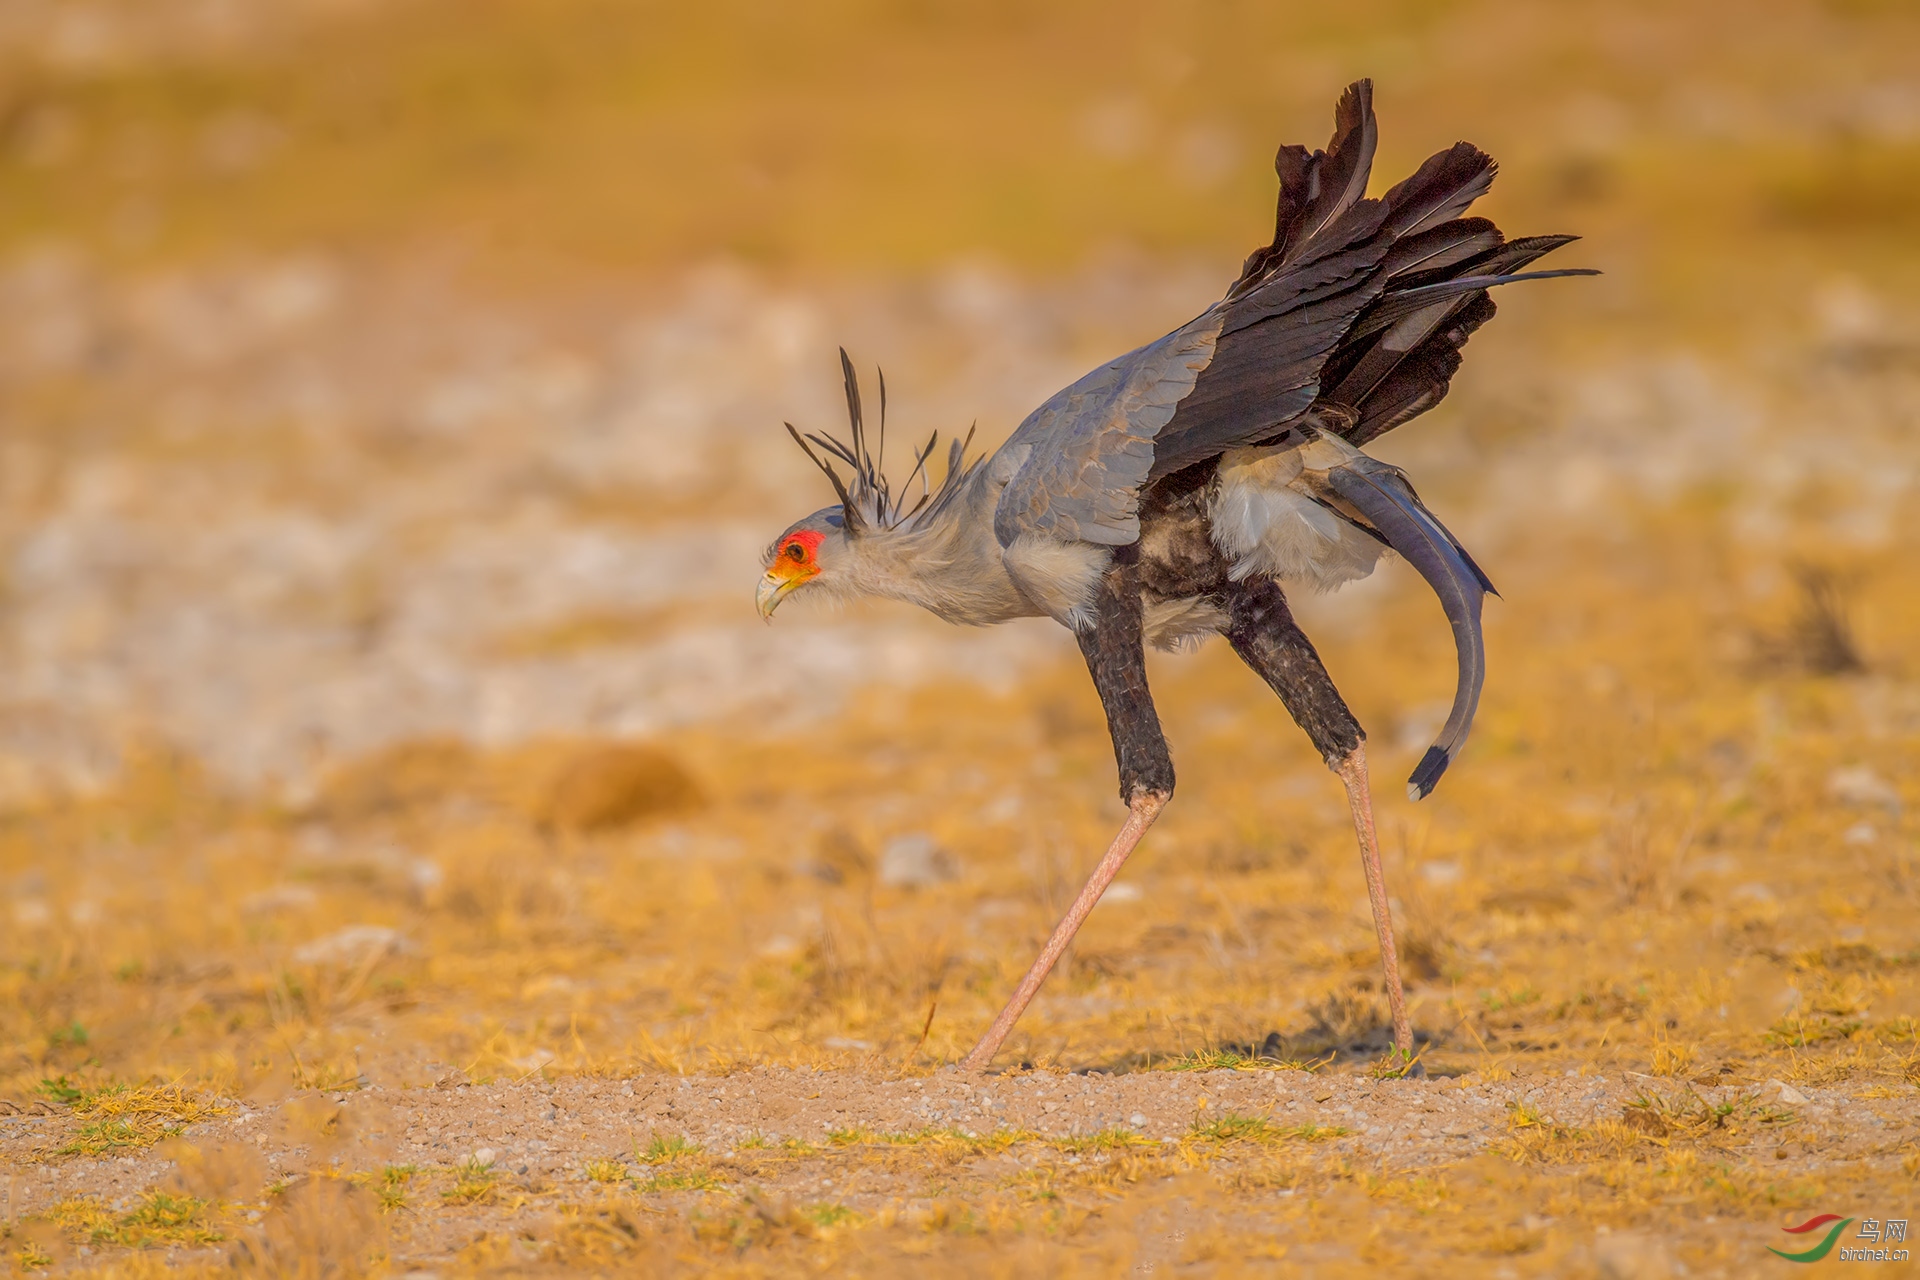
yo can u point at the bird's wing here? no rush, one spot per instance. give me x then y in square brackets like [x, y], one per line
[1076, 465]
[1359, 307]
[1074, 468]
[1297, 297]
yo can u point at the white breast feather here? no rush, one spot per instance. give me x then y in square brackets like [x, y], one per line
[1182, 624]
[1059, 577]
[1266, 527]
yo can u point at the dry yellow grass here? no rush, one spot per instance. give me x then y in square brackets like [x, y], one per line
[1679, 852]
[716, 942]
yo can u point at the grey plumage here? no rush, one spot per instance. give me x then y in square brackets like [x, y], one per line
[1349, 323]
[1390, 505]
[1083, 456]
[1164, 495]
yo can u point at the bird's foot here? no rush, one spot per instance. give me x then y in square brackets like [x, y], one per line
[1398, 1064]
[1140, 815]
[1353, 773]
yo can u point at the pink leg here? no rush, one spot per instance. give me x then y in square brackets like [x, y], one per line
[1353, 772]
[1140, 816]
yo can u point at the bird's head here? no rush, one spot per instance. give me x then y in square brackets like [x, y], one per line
[820, 551]
[813, 552]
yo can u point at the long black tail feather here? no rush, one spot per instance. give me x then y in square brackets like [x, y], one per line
[1399, 357]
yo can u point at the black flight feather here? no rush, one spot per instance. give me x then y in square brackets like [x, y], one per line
[1447, 245]
[1338, 178]
[1318, 192]
[1404, 302]
[1440, 189]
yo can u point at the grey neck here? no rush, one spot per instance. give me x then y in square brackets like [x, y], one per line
[949, 564]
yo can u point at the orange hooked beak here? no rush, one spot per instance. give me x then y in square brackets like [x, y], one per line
[777, 582]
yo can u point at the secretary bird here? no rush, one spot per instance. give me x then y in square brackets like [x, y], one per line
[1163, 497]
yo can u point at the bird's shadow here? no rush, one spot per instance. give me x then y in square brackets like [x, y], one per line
[1321, 1046]
[1338, 1036]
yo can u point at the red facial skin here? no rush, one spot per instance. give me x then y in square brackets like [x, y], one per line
[787, 565]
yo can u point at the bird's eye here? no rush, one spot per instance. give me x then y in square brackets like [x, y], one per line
[796, 552]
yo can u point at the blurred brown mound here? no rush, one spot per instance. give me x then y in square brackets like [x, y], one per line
[581, 787]
[400, 779]
[557, 784]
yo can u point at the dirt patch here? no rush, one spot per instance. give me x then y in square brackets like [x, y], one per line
[427, 1176]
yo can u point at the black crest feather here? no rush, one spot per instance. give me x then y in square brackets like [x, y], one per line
[866, 498]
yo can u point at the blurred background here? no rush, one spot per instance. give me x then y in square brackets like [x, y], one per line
[390, 404]
[382, 369]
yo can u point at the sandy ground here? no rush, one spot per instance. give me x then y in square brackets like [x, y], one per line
[786, 1137]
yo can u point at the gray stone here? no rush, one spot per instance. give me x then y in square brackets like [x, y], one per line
[915, 861]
